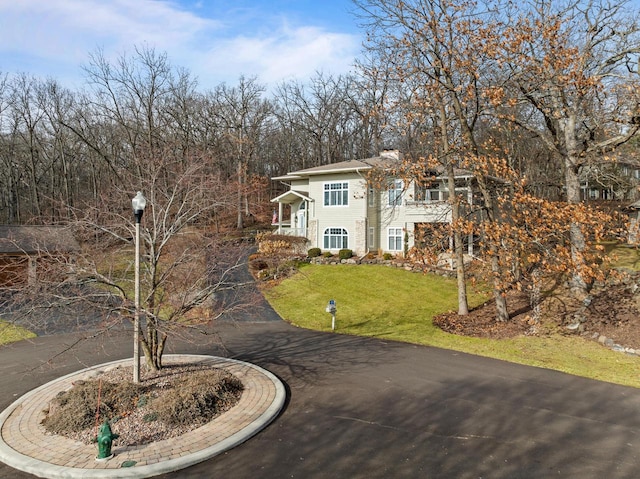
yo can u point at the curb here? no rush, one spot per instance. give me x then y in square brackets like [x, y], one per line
[23, 443]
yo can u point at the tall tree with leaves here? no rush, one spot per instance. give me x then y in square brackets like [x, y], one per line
[569, 76]
[433, 51]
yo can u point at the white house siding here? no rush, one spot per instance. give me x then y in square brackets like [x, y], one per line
[406, 215]
[301, 185]
[367, 226]
[348, 217]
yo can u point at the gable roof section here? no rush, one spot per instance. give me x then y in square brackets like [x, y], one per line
[35, 239]
[383, 161]
[290, 196]
[341, 167]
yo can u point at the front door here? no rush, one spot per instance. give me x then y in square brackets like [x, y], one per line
[301, 224]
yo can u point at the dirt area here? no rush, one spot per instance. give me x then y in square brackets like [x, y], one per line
[612, 310]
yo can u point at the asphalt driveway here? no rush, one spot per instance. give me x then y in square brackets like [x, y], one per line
[375, 409]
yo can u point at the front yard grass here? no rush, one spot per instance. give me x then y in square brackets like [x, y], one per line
[394, 304]
[10, 333]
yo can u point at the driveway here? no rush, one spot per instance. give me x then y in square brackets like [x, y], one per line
[367, 408]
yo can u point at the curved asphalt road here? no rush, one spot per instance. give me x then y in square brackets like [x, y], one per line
[366, 408]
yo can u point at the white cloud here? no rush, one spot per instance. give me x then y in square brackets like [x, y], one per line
[52, 27]
[49, 37]
[289, 53]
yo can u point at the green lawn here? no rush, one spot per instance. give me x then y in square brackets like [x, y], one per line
[391, 303]
[10, 333]
[624, 256]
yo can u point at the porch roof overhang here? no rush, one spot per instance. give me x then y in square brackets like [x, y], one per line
[290, 196]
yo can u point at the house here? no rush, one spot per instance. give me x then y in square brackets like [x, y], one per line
[610, 180]
[23, 248]
[335, 207]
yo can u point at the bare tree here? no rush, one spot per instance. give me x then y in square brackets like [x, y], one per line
[240, 115]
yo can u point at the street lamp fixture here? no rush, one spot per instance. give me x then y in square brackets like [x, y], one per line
[138, 203]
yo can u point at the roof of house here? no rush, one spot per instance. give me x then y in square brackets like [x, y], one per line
[35, 239]
[341, 167]
[291, 196]
[384, 160]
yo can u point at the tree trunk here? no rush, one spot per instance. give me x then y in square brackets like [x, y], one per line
[578, 243]
[240, 224]
[572, 183]
[463, 305]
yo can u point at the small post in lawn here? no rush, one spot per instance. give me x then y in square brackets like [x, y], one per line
[331, 308]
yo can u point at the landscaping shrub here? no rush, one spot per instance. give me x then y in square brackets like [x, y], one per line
[345, 254]
[200, 398]
[75, 409]
[327, 254]
[272, 243]
[314, 252]
[387, 256]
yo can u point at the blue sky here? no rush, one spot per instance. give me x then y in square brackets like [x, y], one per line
[216, 40]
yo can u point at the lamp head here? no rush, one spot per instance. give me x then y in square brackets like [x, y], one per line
[138, 202]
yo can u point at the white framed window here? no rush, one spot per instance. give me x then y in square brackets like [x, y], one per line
[428, 193]
[336, 194]
[371, 196]
[335, 238]
[395, 192]
[371, 237]
[395, 239]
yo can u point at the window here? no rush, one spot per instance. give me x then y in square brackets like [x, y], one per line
[335, 238]
[395, 192]
[371, 196]
[336, 194]
[395, 239]
[371, 237]
[427, 193]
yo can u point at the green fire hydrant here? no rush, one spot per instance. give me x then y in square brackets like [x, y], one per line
[105, 440]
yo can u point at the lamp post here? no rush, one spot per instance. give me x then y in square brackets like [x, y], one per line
[138, 203]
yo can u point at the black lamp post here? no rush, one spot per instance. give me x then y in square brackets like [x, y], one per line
[138, 203]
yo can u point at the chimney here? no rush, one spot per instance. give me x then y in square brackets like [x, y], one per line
[392, 154]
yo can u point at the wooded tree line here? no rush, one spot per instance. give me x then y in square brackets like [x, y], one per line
[526, 96]
[549, 86]
[62, 149]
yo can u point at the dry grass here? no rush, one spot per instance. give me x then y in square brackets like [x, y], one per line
[165, 404]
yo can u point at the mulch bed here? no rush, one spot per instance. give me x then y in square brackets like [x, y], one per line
[481, 322]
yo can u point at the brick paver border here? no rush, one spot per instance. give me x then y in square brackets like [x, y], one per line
[25, 446]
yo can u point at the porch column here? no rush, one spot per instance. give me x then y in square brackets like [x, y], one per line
[280, 209]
